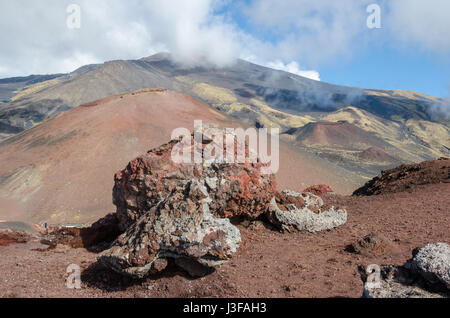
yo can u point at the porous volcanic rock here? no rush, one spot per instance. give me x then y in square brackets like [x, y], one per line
[433, 263]
[238, 189]
[180, 227]
[292, 211]
[405, 177]
[426, 275]
[398, 282]
[319, 189]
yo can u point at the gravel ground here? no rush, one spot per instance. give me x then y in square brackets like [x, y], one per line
[269, 264]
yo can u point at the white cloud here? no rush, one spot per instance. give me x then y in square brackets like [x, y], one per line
[425, 24]
[191, 32]
[313, 32]
[76, 60]
[294, 68]
[309, 33]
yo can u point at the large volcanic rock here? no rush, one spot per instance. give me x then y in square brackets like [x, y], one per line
[8, 236]
[180, 210]
[236, 189]
[180, 227]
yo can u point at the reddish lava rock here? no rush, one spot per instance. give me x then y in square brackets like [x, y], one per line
[236, 189]
[319, 189]
[102, 232]
[282, 200]
[8, 236]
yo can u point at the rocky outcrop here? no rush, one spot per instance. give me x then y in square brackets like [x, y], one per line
[172, 209]
[426, 275]
[180, 227]
[405, 177]
[8, 236]
[176, 211]
[397, 282]
[292, 211]
[236, 189]
[319, 189]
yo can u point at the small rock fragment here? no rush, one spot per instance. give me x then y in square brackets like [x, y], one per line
[289, 213]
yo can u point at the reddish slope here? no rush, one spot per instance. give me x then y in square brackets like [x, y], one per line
[375, 154]
[337, 135]
[405, 177]
[62, 170]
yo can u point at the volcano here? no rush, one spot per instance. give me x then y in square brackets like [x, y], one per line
[61, 171]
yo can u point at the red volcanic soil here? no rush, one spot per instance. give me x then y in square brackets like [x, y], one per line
[408, 176]
[61, 171]
[269, 263]
[319, 189]
[375, 154]
[8, 237]
[340, 134]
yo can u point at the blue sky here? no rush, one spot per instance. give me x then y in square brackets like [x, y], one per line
[326, 40]
[390, 68]
[382, 61]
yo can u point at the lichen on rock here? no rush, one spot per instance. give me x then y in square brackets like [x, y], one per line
[181, 211]
[181, 226]
[292, 211]
[237, 189]
[425, 275]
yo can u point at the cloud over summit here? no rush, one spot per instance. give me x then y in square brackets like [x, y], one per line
[303, 34]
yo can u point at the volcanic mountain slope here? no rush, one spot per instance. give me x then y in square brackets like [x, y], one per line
[346, 143]
[10, 87]
[354, 137]
[257, 95]
[337, 134]
[406, 177]
[375, 154]
[242, 85]
[412, 139]
[62, 170]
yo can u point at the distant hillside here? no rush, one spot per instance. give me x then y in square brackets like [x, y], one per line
[375, 154]
[9, 87]
[337, 134]
[228, 88]
[62, 171]
[256, 95]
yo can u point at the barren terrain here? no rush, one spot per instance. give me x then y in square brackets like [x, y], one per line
[269, 263]
[61, 171]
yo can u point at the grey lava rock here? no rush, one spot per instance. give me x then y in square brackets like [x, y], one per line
[397, 282]
[426, 275]
[179, 227]
[433, 263]
[292, 211]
